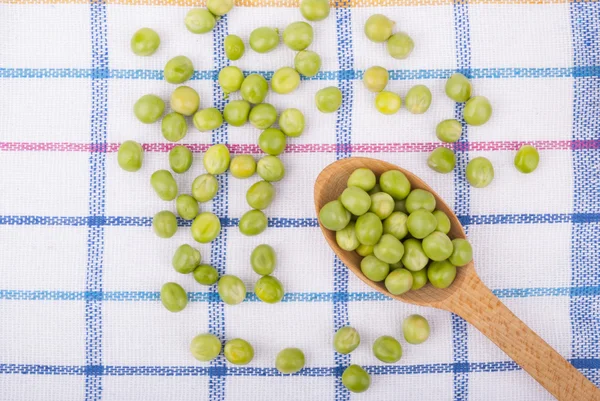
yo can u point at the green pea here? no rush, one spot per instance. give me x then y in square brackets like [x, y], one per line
[285, 80]
[242, 166]
[234, 47]
[418, 99]
[206, 275]
[230, 79]
[346, 340]
[328, 100]
[314, 10]
[270, 168]
[254, 88]
[449, 130]
[187, 207]
[356, 200]
[238, 351]
[420, 199]
[458, 88]
[291, 122]
[365, 250]
[307, 63]
[362, 178]
[421, 223]
[208, 119]
[231, 289]
[164, 185]
[186, 259]
[272, 141]
[260, 195]
[441, 274]
[130, 156]
[415, 329]
[268, 289]
[368, 228]
[263, 259]
[185, 100]
[395, 183]
[145, 42]
[263, 40]
[289, 360]
[376, 78]
[400, 206]
[414, 258]
[180, 159]
[205, 187]
[216, 159]
[334, 216]
[376, 188]
[382, 205]
[443, 222]
[397, 265]
[395, 225]
[263, 115]
[346, 238]
[219, 7]
[400, 45]
[478, 111]
[174, 127]
[205, 347]
[206, 227]
[253, 222]
[173, 297]
[178, 70]
[199, 20]
[298, 35]
[387, 349]
[527, 159]
[236, 112]
[480, 172]
[442, 160]
[388, 102]
[419, 279]
[462, 252]
[374, 269]
[378, 28]
[149, 108]
[389, 249]
[437, 246]
[356, 379]
[164, 224]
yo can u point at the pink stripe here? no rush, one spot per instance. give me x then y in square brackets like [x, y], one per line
[407, 147]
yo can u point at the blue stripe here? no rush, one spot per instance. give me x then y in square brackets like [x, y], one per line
[585, 252]
[395, 75]
[95, 236]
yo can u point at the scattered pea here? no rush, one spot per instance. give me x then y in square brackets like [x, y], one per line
[216, 159]
[186, 259]
[180, 159]
[415, 329]
[442, 160]
[174, 127]
[346, 340]
[298, 35]
[285, 80]
[263, 259]
[145, 42]
[263, 116]
[291, 122]
[264, 39]
[234, 47]
[242, 166]
[254, 88]
[231, 289]
[199, 20]
[173, 297]
[387, 349]
[208, 119]
[187, 207]
[527, 159]
[236, 112]
[376, 78]
[130, 156]
[378, 28]
[307, 63]
[178, 70]
[219, 7]
[253, 222]
[458, 88]
[388, 102]
[205, 187]
[449, 130]
[289, 360]
[400, 45]
[206, 275]
[268, 289]
[206, 227]
[238, 351]
[164, 224]
[230, 79]
[205, 347]
[149, 108]
[328, 100]
[270, 168]
[185, 100]
[478, 110]
[260, 195]
[418, 99]
[164, 185]
[356, 379]
[480, 172]
[314, 10]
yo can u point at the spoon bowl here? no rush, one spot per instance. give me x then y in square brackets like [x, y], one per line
[467, 296]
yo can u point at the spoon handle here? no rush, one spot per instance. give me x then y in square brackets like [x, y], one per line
[479, 306]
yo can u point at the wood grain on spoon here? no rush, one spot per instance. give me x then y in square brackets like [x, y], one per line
[467, 297]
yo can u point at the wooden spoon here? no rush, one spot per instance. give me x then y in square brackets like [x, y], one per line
[467, 297]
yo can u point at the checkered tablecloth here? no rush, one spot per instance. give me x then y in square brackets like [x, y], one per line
[80, 268]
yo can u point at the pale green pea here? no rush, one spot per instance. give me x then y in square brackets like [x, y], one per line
[419, 279]
[356, 200]
[441, 274]
[387, 349]
[362, 178]
[334, 216]
[185, 100]
[186, 259]
[216, 159]
[395, 225]
[173, 297]
[173, 127]
[376, 78]
[462, 252]
[164, 185]
[388, 103]
[205, 187]
[164, 224]
[420, 199]
[443, 222]
[199, 20]
[178, 70]
[205, 347]
[415, 329]
[236, 112]
[270, 168]
[378, 28]
[458, 88]
[307, 63]
[242, 166]
[527, 159]
[130, 156]
[346, 340]
[230, 79]
[263, 259]
[263, 115]
[437, 246]
[365, 250]
[328, 100]
[449, 130]
[298, 35]
[374, 269]
[231, 289]
[219, 7]
[346, 238]
[414, 258]
[145, 42]
[478, 111]
[421, 223]
[206, 227]
[206, 275]
[368, 228]
[264, 39]
[234, 47]
[291, 122]
[187, 207]
[260, 195]
[375, 189]
[208, 119]
[382, 204]
[400, 45]
[314, 10]
[389, 249]
[397, 265]
[395, 183]
[480, 172]
[238, 351]
[289, 360]
[253, 223]
[356, 379]
[149, 108]
[254, 88]
[272, 141]
[442, 160]
[285, 80]
[400, 206]
[180, 159]
[268, 289]
[418, 99]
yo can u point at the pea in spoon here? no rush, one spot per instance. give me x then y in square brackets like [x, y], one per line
[467, 297]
